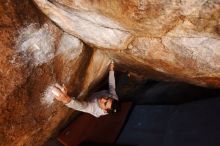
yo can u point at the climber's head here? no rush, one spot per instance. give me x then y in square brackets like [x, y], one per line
[108, 104]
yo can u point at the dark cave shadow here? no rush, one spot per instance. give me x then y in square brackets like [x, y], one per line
[152, 92]
[102, 144]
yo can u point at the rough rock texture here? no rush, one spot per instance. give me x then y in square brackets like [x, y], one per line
[85, 25]
[179, 39]
[72, 42]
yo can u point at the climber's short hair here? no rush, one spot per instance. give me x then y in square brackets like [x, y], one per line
[116, 105]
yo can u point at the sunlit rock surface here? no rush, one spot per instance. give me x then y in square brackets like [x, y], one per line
[72, 42]
[179, 39]
[92, 28]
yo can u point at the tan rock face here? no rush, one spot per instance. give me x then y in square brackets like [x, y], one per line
[154, 18]
[91, 27]
[71, 42]
[176, 38]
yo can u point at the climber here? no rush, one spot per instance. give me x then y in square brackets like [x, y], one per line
[99, 103]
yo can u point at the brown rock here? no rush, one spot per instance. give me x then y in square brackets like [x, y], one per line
[161, 40]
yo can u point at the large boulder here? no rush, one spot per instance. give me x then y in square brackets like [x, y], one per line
[179, 39]
[72, 42]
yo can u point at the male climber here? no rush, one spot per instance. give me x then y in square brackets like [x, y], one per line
[99, 103]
